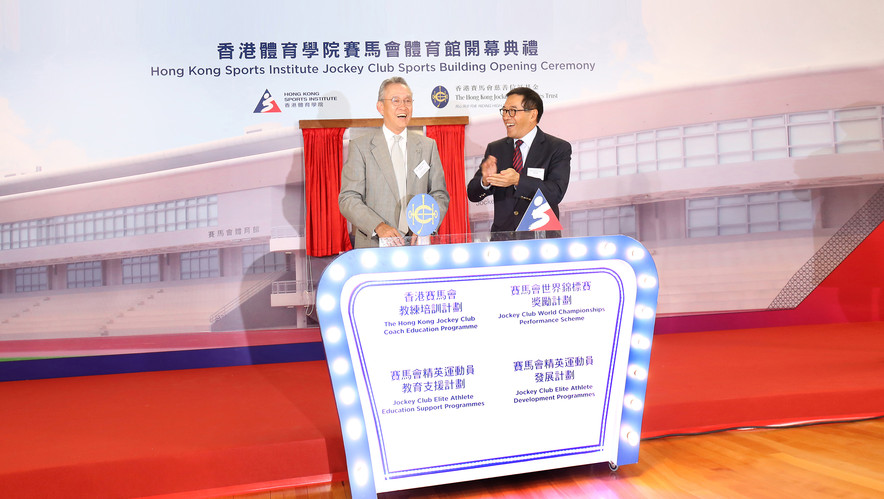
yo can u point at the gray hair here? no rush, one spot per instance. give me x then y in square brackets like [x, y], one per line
[389, 81]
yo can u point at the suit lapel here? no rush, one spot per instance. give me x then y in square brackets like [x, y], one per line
[507, 160]
[536, 151]
[413, 158]
[381, 155]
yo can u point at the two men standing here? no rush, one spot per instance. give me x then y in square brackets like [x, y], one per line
[387, 167]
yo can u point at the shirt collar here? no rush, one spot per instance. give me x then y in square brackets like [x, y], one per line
[528, 139]
[388, 135]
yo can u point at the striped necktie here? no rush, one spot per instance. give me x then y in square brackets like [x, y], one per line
[517, 157]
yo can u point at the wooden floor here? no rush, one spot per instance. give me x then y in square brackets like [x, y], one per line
[828, 460]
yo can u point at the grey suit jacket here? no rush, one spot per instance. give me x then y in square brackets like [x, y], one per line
[369, 192]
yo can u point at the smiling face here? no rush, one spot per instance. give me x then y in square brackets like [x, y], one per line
[396, 116]
[519, 125]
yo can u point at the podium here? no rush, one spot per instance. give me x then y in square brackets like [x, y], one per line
[455, 362]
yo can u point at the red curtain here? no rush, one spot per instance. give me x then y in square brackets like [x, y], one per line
[450, 140]
[323, 159]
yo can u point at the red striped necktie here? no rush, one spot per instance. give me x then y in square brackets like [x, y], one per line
[517, 157]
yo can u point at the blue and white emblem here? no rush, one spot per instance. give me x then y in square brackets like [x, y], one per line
[424, 215]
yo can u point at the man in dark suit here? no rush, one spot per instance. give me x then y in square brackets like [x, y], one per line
[516, 166]
[387, 167]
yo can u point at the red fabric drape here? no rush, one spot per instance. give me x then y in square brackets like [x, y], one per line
[450, 141]
[323, 159]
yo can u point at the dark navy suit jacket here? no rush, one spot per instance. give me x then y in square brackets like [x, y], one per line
[549, 153]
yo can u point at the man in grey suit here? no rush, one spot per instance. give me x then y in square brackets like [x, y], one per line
[374, 193]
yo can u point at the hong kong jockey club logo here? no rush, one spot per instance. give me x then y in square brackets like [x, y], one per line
[439, 96]
[267, 104]
[423, 214]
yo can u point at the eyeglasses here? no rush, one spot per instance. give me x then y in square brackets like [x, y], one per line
[511, 112]
[397, 101]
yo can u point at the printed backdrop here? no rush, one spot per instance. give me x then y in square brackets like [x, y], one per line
[96, 80]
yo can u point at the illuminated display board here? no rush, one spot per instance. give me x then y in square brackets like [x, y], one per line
[467, 361]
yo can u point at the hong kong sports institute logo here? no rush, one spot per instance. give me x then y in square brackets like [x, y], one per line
[267, 104]
[439, 96]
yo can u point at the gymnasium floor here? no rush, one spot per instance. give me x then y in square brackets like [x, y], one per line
[228, 431]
